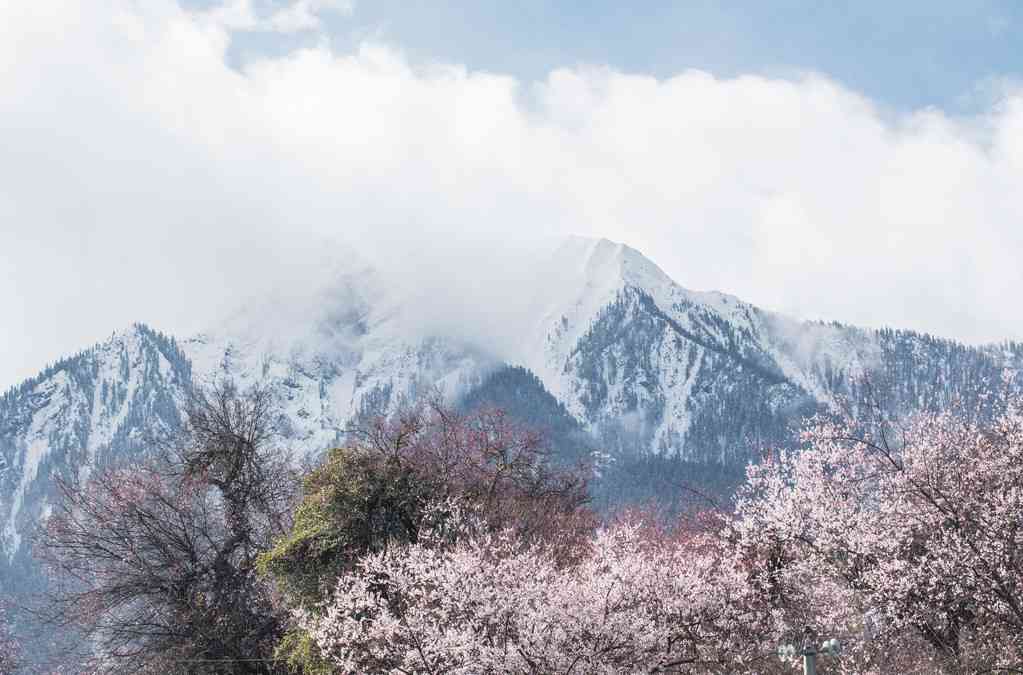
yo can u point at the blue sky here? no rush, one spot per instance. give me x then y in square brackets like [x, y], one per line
[166, 159]
[906, 54]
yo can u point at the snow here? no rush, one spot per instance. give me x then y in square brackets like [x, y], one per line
[36, 450]
[327, 352]
[580, 278]
[348, 334]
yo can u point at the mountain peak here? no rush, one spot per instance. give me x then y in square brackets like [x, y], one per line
[604, 263]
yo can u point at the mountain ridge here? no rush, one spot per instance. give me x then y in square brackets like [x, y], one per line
[644, 366]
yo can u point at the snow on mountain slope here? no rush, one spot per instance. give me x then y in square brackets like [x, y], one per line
[584, 276]
[643, 364]
[337, 350]
[633, 354]
[648, 365]
[80, 413]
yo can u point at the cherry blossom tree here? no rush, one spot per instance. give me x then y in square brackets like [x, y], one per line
[904, 539]
[481, 603]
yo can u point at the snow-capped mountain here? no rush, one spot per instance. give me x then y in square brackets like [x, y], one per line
[80, 413]
[338, 351]
[646, 367]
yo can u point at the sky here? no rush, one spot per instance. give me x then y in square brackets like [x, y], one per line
[161, 160]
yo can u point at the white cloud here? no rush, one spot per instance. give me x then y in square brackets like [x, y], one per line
[305, 14]
[143, 178]
[293, 17]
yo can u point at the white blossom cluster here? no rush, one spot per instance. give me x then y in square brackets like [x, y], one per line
[484, 605]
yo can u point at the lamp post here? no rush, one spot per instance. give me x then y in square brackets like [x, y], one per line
[809, 651]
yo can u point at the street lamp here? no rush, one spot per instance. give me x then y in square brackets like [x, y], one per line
[809, 650]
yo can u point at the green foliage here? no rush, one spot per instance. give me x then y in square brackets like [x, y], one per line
[356, 501]
[301, 655]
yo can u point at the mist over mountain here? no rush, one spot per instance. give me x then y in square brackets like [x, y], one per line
[653, 384]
